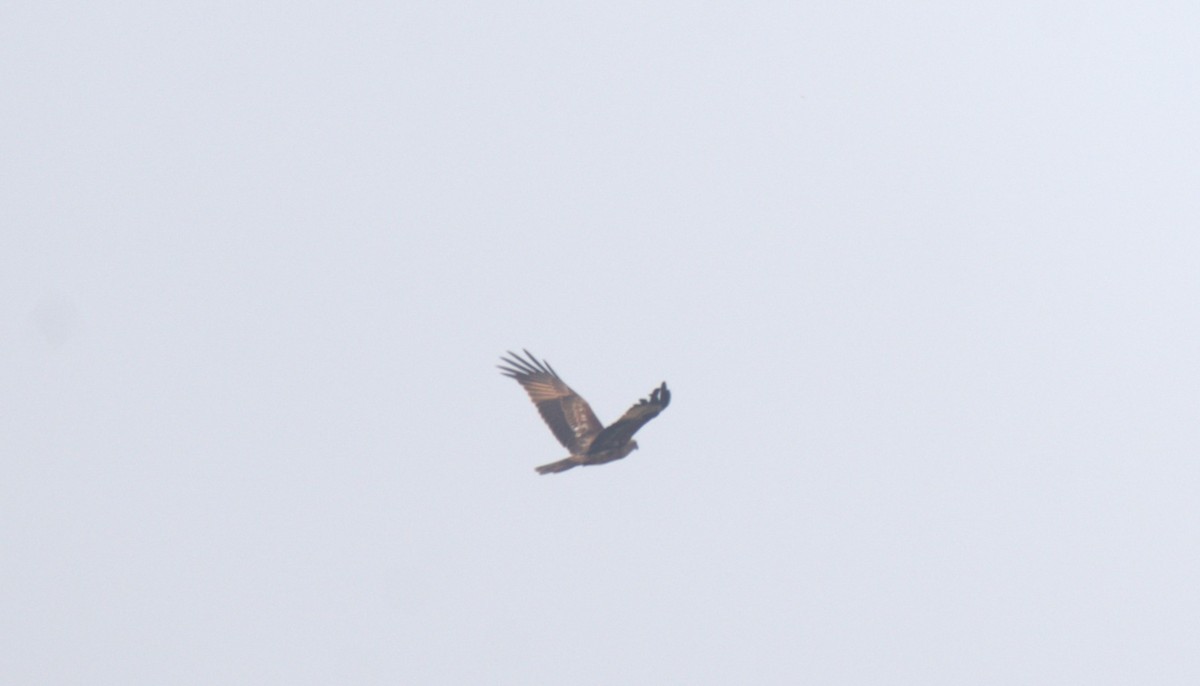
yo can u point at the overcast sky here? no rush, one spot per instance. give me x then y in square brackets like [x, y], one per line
[923, 278]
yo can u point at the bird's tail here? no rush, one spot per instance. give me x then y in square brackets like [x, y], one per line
[560, 466]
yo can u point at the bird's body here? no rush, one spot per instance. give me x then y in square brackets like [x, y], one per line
[571, 419]
[587, 460]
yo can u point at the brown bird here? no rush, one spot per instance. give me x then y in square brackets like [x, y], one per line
[572, 420]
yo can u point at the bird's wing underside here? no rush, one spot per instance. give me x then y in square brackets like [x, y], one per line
[568, 415]
[620, 431]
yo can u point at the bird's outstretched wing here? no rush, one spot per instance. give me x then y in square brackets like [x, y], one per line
[620, 431]
[568, 415]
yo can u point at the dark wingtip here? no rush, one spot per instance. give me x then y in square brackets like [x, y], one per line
[516, 366]
[659, 396]
[535, 361]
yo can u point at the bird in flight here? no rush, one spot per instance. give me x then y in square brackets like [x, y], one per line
[571, 418]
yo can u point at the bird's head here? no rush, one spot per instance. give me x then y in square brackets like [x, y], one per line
[633, 445]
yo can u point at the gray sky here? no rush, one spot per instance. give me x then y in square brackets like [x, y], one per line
[923, 279]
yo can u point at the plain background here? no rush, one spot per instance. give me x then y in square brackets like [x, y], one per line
[923, 278]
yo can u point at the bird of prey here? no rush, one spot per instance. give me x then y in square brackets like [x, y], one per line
[572, 420]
